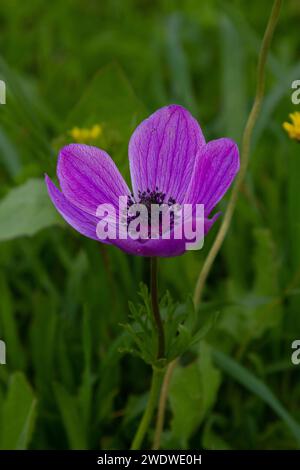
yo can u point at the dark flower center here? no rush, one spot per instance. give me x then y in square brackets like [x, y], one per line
[147, 199]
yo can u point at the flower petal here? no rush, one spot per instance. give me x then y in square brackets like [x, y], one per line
[159, 247]
[86, 224]
[82, 222]
[162, 152]
[216, 167]
[88, 177]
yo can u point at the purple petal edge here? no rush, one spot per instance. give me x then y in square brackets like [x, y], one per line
[162, 152]
[82, 222]
[89, 177]
[216, 167]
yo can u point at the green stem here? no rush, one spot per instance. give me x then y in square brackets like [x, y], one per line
[246, 142]
[245, 152]
[162, 404]
[147, 416]
[158, 373]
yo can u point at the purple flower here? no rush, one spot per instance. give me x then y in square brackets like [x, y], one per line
[168, 158]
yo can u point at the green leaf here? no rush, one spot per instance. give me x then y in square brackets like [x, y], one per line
[109, 101]
[256, 386]
[26, 209]
[71, 417]
[193, 391]
[18, 414]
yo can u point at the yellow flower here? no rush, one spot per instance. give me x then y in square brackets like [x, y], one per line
[293, 128]
[95, 131]
[85, 135]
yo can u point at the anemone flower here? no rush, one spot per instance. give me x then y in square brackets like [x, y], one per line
[170, 162]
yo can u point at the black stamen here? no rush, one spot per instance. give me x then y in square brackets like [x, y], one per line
[147, 198]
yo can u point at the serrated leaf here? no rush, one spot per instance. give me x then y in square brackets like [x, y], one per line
[181, 343]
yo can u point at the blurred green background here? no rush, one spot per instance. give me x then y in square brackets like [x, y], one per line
[63, 297]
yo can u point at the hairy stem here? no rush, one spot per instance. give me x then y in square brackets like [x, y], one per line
[245, 152]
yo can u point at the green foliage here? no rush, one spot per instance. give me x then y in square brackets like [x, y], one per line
[193, 392]
[110, 101]
[26, 210]
[256, 386]
[18, 414]
[9, 327]
[233, 58]
[182, 328]
[63, 297]
[70, 415]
